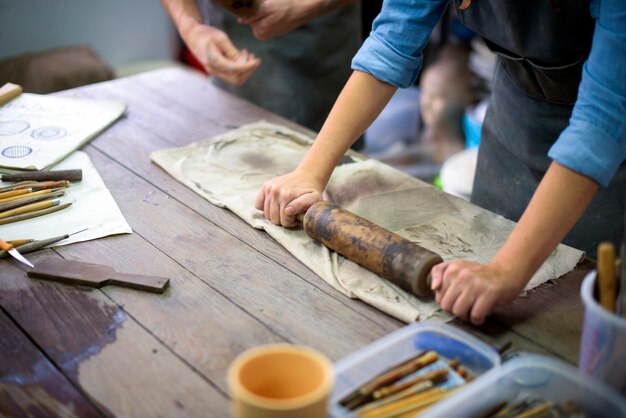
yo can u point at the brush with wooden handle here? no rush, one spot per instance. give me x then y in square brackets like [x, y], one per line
[373, 247]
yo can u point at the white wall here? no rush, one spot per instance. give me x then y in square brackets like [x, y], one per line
[120, 31]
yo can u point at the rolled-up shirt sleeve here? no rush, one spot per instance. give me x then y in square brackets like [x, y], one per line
[393, 51]
[594, 143]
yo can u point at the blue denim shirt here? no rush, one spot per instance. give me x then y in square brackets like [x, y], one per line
[594, 143]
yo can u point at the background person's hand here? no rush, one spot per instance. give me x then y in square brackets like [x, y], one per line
[219, 56]
[282, 198]
[278, 17]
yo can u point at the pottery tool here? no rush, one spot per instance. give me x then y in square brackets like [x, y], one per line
[9, 92]
[94, 275]
[30, 245]
[42, 185]
[9, 248]
[28, 194]
[379, 250]
[27, 200]
[34, 214]
[44, 175]
[29, 208]
[607, 285]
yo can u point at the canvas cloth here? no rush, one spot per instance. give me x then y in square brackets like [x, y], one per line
[228, 170]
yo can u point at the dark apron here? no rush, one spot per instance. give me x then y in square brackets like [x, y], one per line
[541, 47]
[303, 71]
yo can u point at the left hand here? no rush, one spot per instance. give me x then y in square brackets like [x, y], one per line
[471, 290]
[278, 17]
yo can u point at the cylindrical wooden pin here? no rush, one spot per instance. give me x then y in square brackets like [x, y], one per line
[379, 250]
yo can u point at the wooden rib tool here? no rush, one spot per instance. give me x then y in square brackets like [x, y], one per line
[94, 275]
[379, 250]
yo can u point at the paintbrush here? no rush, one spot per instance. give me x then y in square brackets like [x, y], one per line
[35, 245]
[42, 185]
[35, 214]
[607, 285]
[364, 393]
[28, 200]
[435, 376]
[12, 186]
[32, 194]
[29, 208]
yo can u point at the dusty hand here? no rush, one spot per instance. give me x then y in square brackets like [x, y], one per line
[278, 17]
[218, 55]
[282, 198]
[471, 290]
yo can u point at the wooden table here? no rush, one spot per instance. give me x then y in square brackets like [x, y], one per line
[71, 351]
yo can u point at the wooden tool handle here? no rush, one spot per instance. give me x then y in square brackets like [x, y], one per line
[607, 284]
[55, 175]
[379, 250]
[8, 92]
[5, 246]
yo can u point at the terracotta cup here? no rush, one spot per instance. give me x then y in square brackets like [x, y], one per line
[280, 381]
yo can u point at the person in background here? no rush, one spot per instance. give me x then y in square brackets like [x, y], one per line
[291, 57]
[553, 143]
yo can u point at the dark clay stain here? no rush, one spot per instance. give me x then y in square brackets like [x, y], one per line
[68, 324]
[30, 385]
[360, 183]
[258, 161]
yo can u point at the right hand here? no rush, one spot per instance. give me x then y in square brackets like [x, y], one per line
[282, 198]
[218, 55]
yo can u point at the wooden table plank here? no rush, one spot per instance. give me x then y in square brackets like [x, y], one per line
[104, 351]
[30, 382]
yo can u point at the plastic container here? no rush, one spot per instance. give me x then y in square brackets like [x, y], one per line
[532, 376]
[450, 343]
[603, 343]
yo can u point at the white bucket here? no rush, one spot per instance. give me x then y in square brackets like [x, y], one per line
[603, 343]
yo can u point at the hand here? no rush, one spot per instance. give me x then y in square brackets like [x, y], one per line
[218, 55]
[470, 290]
[282, 198]
[278, 17]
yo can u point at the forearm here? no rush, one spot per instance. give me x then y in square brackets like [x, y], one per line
[558, 203]
[185, 15]
[360, 102]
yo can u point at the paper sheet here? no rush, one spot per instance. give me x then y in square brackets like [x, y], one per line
[37, 131]
[228, 170]
[93, 207]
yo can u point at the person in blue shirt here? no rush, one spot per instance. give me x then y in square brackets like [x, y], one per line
[553, 143]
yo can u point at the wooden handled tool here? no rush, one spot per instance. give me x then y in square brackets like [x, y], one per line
[379, 250]
[607, 285]
[53, 175]
[8, 92]
[94, 275]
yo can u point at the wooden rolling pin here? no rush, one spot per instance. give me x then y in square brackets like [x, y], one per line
[379, 250]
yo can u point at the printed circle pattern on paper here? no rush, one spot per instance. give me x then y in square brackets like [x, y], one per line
[13, 127]
[16, 151]
[48, 133]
